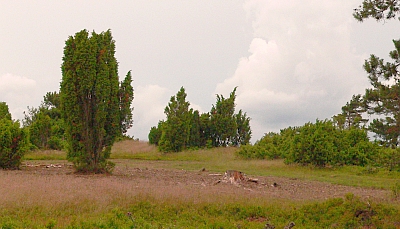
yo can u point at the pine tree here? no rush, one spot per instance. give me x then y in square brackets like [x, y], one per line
[377, 9]
[383, 98]
[351, 116]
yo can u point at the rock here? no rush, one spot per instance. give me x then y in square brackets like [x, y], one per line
[290, 225]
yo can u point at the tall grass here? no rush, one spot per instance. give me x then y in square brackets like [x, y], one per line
[45, 155]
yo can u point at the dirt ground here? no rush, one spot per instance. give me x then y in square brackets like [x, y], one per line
[202, 182]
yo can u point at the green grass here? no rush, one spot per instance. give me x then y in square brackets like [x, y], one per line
[145, 212]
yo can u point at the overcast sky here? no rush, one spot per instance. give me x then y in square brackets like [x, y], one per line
[293, 61]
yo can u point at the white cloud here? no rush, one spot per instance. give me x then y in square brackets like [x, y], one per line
[301, 65]
[11, 83]
[18, 92]
[149, 104]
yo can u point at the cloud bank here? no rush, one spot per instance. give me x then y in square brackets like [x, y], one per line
[18, 89]
[301, 65]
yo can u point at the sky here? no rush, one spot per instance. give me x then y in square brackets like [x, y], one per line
[293, 61]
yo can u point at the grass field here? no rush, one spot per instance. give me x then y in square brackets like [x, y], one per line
[150, 189]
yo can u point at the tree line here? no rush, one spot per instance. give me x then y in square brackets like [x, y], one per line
[185, 128]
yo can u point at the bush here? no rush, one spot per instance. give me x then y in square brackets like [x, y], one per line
[319, 144]
[56, 143]
[270, 146]
[322, 144]
[258, 152]
[389, 159]
[13, 144]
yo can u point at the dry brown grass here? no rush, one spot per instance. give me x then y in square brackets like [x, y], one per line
[126, 148]
[51, 194]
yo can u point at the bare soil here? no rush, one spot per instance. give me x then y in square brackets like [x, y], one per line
[177, 183]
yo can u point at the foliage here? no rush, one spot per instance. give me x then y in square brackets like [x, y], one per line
[186, 128]
[155, 133]
[176, 130]
[45, 124]
[90, 100]
[351, 116]
[13, 144]
[243, 134]
[388, 158]
[382, 99]
[4, 111]
[223, 122]
[266, 148]
[40, 130]
[322, 144]
[195, 140]
[51, 100]
[205, 130]
[377, 9]
[270, 146]
[125, 103]
[318, 144]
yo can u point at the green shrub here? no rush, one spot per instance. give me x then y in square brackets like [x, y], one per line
[389, 159]
[13, 144]
[258, 152]
[313, 144]
[56, 143]
[270, 146]
[322, 144]
[318, 144]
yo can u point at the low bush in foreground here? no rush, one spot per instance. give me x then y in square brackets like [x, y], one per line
[350, 212]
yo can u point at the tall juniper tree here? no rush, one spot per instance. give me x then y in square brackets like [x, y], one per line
[89, 99]
[176, 129]
[223, 123]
